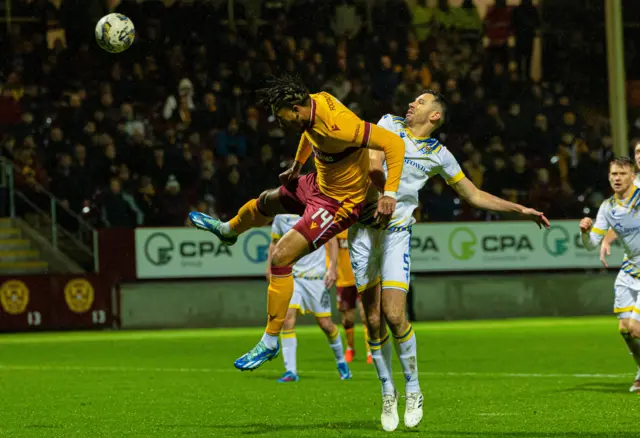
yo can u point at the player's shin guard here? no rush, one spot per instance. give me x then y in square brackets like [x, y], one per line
[278, 298]
[289, 347]
[336, 345]
[408, 355]
[380, 364]
[249, 216]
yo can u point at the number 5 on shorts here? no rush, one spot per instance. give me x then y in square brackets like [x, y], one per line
[325, 216]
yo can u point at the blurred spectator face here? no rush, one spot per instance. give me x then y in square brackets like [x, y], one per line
[385, 63]
[185, 87]
[65, 160]
[233, 127]
[435, 86]
[75, 101]
[237, 91]
[543, 176]
[564, 101]
[567, 138]
[207, 173]
[194, 138]
[541, 122]
[519, 162]
[317, 58]
[456, 97]
[210, 100]
[115, 186]
[29, 142]
[216, 86]
[57, 134]
[476, 158]
[106, 99]
[569, 118]
[187, 155]
[266, 154]
[27, 118]
[636, 152]
[498, 69]
[110, 151]
[514, 109]
[158, 155]
[492, 109]
[81, 152]
[90, 128]
[498, 163]
[116, 72]
[126, 110]
[232, 160]
[124, 173]
[452, 84]
[437, 187]
[478, 93]
[234, 177]
[138, 72]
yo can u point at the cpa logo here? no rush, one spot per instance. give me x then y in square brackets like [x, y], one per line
[462, 242]
[256, 246]
[158, 249]
[556, 240]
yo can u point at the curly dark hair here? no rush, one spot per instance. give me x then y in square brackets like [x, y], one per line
[281, 92]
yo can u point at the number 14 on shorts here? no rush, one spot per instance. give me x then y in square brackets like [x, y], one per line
[324, 216]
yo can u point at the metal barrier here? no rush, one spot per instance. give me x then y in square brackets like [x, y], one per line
[73, 235]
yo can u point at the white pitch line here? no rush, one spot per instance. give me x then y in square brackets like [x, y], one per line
[310, 372]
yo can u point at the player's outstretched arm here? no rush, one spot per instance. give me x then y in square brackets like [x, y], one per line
[302, 155]
[393, 147]
[605, 247]
[486, 201]
[376, 169]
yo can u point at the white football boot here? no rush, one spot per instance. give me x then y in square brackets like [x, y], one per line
[636, 385]
[389, 417]
[413, 409]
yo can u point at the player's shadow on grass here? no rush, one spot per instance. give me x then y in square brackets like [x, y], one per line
[275, 377]
[261, 428]
[605, 387]
[535, 434]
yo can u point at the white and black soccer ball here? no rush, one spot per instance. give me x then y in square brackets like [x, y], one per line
[115, 33]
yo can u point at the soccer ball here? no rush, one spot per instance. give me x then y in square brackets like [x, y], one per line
[115, 33]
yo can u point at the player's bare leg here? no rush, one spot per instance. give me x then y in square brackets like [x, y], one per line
[289, 249]
[630, 331]
[335, 342]
[255, 213]
[289, 348]
[363, 318]
[394, 310]
[381, 354]
[348, 317]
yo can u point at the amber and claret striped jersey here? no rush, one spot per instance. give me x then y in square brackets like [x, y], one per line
[338, 140]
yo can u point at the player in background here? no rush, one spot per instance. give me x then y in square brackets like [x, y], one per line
[312, 279]
[347, 297]
[329, 200]
[610, 237]
[620, 212]
[381, 258]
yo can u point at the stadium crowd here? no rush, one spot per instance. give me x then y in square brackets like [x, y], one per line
[172, 125]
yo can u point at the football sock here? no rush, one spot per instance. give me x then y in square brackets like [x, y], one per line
[366, 338]
[289, 346]
[249, 216]
[633, 344]
[279, 295]
[409, 359]
[349, 335]
[380, 364]
[336, 345]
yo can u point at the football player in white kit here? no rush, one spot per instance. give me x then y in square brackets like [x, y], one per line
[627, 284]
[311, 283]
[380, 254]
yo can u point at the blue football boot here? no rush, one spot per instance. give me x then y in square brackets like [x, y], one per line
[345, 372]
[256, 357]
[207, 223]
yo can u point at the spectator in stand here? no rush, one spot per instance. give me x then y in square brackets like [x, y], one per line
[439, 205]
[384, 84]
[467, 20]
[172, 104]
[407, 91]
[474, 169]
[497, 28]
[231, 141]
[148, 201]
[347, 21]
[119, 209]
[525, 22]
[173, 205]
[421, 17]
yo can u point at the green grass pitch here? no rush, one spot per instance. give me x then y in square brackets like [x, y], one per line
[512, 378]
